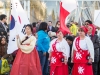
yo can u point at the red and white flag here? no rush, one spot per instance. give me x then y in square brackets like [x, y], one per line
[66, 7]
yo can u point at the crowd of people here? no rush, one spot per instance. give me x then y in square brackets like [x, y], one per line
[46, 50]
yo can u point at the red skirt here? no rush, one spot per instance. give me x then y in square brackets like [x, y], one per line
[82, 69]
[26, 64]
[59, 70]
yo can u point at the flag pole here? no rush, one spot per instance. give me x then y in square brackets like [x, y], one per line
[79, 11]
[97, 17]
[80, 17]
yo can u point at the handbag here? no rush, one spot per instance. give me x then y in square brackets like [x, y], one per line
[0, 63]
[5, 67]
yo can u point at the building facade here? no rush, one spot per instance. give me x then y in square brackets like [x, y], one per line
[46, 10]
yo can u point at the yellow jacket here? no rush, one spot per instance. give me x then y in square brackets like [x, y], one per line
[74, 29]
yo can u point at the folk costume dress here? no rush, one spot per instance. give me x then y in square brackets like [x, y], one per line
[27, 59]
[82, 49]
[58, 50]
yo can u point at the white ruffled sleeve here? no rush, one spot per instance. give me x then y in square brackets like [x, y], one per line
[73, 48]
[90, 47]
[66, 50]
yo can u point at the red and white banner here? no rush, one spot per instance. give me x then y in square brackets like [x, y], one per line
[66, 7]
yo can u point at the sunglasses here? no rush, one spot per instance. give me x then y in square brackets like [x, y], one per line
[86, 24]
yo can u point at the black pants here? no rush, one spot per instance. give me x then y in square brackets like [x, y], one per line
[99, 66]
[95, 68]
[96, 61]
[70, 65]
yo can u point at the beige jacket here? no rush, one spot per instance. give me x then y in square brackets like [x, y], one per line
[28, 45]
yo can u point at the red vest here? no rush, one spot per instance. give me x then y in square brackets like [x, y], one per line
[56, 56]
[80, 56]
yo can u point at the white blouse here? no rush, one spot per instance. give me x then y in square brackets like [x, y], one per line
[82, 44]
[61, 47]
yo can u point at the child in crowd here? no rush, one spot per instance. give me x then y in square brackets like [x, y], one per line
[3, 50]
[69, 40]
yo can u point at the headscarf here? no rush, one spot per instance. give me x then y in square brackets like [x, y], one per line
[94, 29]
[84, 29]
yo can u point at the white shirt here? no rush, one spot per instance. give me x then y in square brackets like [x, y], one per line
[82, 44]
[61, 47]
[50, 27]
[89, 36]
[4, 26]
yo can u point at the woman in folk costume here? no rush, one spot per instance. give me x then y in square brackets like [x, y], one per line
[27, 60]
[82, 54]
[58, 54]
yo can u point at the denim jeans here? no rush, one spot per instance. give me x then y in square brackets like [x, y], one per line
[44, 63]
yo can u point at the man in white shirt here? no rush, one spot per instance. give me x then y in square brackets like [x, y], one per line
[50, 27]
